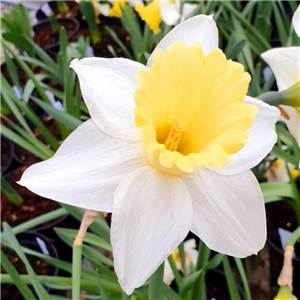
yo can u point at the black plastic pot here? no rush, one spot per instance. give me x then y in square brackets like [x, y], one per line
[45, 10]
[6, 154]
[39, 243]
[45, 28]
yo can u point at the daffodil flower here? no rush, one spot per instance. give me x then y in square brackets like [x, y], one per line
[163, 10]
[168, 149]
[102, 9]
[277, 172]
[191, 256]
[284, 293]
[118, 5]
[285, 64]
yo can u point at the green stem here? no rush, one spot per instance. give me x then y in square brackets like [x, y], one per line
[156, 282]
[182, 257]
[295, 236]
[175, 271]
[76, 271]
[39, 220]
[203, 257]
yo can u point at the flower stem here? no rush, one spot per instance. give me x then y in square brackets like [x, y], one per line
[203, 257]
[156, 282]
[294, 237]
[76, 271]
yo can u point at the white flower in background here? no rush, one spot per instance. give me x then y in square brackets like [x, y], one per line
[277, 172]
[163, 10]
[285, 64]
[191, 255]
[101, 9]
[118, 5]
[168, 150]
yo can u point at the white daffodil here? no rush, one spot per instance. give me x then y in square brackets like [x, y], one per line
[102, 9]
[191, 256]
[163, 10]
[118, 5]
[277, 172]
[168, 149]
[285, 64]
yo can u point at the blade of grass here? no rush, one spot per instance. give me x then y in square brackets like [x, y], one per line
[231, 284]
[76, 271]
[243, 276]
[40, 290]
[16, 278]
[23, 143]
[64, 118]
[11, 195]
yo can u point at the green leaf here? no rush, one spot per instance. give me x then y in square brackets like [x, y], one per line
[11, 195]
[64, 118]
[89, 238]
[40, 290]
[279, 153]
[119, 42]
[16, 278]
[99, 226]
[243, 276]
[276, 191]
[231, 284]
[23, 143]
[236, 50]
[11, 100]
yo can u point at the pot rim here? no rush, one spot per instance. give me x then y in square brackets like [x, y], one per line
[53, 45]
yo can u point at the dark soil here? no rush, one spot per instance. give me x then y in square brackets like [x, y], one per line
[73, 11]
[21, 74]
[216, 286]
[32, 206]
[25, 157]
[100, 49]
[46, 38]
[6, 154]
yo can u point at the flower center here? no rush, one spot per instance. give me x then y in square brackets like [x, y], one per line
[174, 136]
[190, 108]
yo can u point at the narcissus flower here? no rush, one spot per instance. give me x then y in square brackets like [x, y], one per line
[277, 172]
[118, 5]
[285, 64]
[284, 293]
[168, 149]
[163, 10]
[190, 254]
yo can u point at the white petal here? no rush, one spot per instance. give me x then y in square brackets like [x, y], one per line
[86, 169]
[103, 9]
[169, 12]
[187, 10]
[107, 86]
[229, 211]
[296, 21]
[201, 29]
[168, 273]
[285, 64]
[293, 124]
[134, 3]
[152, 214]
[262, 137]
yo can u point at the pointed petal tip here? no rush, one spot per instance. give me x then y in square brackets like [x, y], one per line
[73, 63]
